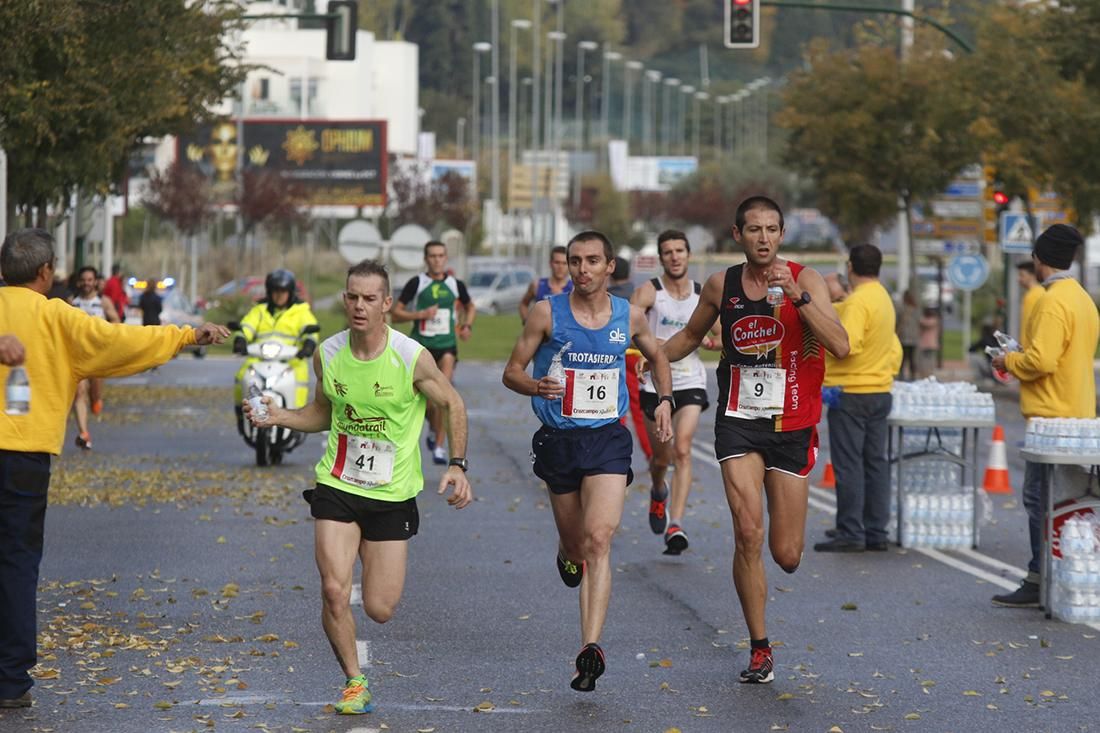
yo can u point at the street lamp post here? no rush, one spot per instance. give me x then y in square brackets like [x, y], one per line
[628, 99]
[699, 97]
[582, 46]
[605, 102]
[518, 24]
[649, 108]
[460, 136]
[666, 112]
[494, 181]
[687, 91]
[475, 133]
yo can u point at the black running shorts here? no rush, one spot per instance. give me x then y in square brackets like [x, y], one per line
[680, 398]
[793, 452]
[564, 457]
[438, 354]
[379, 521]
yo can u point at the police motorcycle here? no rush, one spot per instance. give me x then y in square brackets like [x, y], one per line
[270, 374]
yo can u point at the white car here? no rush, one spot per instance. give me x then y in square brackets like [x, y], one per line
[499, 289]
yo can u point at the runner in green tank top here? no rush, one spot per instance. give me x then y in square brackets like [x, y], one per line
[442, 312]
[372, 386]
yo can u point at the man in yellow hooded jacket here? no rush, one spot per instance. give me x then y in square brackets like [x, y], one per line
[62, 345]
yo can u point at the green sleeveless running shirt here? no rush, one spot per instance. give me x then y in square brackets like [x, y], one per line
[374, 440]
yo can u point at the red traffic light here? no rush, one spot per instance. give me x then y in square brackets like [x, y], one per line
[1000, 198]
[742, 2]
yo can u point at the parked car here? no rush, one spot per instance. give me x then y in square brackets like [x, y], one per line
[499, 289]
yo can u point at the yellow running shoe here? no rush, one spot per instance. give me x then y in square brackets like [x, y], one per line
[356, 698]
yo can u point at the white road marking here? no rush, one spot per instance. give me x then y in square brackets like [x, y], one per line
[825, 501]
[365, 730]
[356, 595]
[362, 648]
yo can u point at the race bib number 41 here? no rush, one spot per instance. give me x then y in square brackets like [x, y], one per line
[760, 392]
[437, 325]
[591, 394]
[364, 462]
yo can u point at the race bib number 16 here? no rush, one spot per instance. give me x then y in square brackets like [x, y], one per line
[364, 462]
[591, 394]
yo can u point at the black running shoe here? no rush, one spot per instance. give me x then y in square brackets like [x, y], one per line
[760, 667]
[570, 572]
[590, 665]
[676, 541]
[658, 509]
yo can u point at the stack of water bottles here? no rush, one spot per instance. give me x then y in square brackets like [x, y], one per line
[929, 400]
[1074, 436]
[939, 510]
[1076, 590]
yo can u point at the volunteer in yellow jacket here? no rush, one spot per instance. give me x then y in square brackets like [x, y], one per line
[1055, 370]
[63, 345]
[857, 391]
[373, 383]
[279, 317]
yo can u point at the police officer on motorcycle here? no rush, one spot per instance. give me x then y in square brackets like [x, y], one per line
[282, 317]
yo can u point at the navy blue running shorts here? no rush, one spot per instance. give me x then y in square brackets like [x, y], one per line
[379, 521]
[564, 457]
[793, 452]
[680, 398]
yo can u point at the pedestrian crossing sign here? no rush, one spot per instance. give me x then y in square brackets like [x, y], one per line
[1016, 232]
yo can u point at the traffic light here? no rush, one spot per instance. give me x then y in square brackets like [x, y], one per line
[1000, 198]
[742, 23]
[340, 30]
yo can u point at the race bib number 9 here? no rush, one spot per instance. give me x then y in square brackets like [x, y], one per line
[760, 393]
[437, 325]
[591, 394]
[364, 462]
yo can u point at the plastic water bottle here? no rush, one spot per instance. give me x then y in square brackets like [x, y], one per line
[556, 370]
[1007, 342]
[18, 393]
[256, 400]
[775, 295]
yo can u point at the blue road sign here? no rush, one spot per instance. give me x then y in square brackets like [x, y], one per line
[1017, 235]
[968, 272]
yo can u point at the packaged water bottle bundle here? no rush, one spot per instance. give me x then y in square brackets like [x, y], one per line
[933, 401]
[1076, 595]
[1062, 436]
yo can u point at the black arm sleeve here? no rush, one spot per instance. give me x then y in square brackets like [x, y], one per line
[463, 294]
[408, 292]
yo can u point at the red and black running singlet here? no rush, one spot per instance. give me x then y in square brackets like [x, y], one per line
[772, 365]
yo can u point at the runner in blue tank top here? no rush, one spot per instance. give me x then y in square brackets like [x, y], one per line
[578, 391]
[558, 282]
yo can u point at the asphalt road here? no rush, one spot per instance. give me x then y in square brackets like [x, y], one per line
[179, 593]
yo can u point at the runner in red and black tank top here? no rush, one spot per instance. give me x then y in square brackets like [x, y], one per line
[758, 335]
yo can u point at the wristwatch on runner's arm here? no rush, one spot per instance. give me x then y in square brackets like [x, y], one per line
[461, 463]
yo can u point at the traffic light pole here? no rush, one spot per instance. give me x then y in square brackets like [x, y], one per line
[874, 9]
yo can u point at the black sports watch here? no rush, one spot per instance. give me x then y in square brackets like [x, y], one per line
[667, 398]
[461, 463]
[803, 299]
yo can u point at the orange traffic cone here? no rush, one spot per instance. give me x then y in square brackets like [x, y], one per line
[996, 473]
[828, 479]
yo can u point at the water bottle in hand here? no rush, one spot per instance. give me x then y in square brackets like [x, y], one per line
[1007, 342]
[18, 392]
[775, 295]
[256, 400]
[556, 370]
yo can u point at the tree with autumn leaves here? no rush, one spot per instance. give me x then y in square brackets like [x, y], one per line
[85, 80]
[868, 129]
